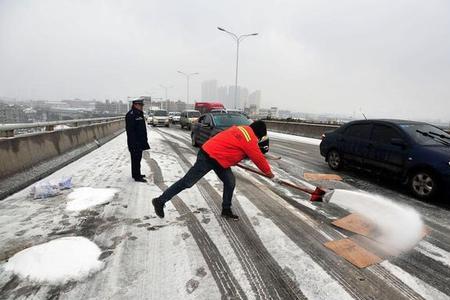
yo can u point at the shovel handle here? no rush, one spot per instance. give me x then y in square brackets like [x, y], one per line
[282, 182]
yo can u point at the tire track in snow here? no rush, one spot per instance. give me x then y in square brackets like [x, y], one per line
[228, 285]
[268, 279]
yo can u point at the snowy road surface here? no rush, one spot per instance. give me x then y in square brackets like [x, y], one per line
[275, 251]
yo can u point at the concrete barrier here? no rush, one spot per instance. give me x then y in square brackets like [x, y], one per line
[302, 129]
[22, 152]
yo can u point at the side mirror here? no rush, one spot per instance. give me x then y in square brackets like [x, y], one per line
[399, 142]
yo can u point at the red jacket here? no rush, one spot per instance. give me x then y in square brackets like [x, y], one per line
[234, 144]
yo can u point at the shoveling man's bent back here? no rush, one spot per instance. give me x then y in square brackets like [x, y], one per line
[219, 153]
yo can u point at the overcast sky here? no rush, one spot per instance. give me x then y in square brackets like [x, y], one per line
[389, 58]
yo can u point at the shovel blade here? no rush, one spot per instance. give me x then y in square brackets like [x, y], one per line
[317, 195]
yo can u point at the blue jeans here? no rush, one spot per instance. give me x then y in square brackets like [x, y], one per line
[202, 166]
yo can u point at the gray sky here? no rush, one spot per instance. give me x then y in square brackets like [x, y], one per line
[391, 58]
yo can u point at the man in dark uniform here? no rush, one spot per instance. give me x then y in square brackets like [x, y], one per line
[136, 138]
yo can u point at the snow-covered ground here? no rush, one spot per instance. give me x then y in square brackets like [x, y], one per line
[102, 240]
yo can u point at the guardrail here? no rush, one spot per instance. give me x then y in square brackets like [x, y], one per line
[302, 129]
[8, 130]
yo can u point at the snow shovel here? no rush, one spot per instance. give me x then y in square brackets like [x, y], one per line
[318, 194]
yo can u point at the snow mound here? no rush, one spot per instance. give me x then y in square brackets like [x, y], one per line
[87, 197]
[57, 261]
[399, 227]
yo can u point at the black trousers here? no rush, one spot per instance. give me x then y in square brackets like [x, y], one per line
[202, 166]
[136, 156]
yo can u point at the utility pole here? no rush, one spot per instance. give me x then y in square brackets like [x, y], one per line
[187, 75]
[238, 40]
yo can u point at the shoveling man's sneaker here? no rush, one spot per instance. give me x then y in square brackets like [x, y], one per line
[159, 207]
[228, 214]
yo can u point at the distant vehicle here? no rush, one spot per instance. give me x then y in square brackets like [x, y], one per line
[238, 111]
[188, 117]
[174, 117]
[149, 117]
[415, 153]
[160, 117]
[205, 107]
[210, 124]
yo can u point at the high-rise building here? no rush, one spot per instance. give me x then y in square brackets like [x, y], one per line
[242, 97]
[209, 90]
[255, 99]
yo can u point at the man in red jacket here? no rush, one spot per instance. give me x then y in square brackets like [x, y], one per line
[219, 153]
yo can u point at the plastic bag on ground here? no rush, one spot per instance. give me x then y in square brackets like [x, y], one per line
[43, 190]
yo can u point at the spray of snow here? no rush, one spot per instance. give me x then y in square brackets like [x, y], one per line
[87, 197]
[398, 227]
[58, 261]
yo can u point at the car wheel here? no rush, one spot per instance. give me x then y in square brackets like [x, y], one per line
[423, 184]
[334, 160]
[168, 125]
[194, 140]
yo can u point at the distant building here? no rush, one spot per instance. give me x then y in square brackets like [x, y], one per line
[255, 99]
[209, 90]
[273, 112]
[284, 114]
[111, 107]
[223, 96]
[13, 113]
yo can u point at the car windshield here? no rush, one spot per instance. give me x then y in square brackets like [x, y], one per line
[425, 134]
[193, 114]
[160, 113]
[227, 120]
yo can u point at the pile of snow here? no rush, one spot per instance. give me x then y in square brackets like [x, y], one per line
[294, 138]
[58, 261]
[399, 227]
[87, 197]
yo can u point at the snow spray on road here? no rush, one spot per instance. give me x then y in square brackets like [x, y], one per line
[399, 227]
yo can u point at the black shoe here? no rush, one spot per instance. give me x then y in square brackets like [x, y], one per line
[159, 207]
[142, 176]
[140, 179]
[227, 213]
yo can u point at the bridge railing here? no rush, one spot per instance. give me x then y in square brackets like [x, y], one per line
[10, 130]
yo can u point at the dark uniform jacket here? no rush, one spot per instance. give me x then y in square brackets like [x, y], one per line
[136, 131]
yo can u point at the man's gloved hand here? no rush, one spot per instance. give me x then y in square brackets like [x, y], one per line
[273, 177]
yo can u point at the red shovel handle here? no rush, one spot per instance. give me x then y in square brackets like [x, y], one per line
[282, 182]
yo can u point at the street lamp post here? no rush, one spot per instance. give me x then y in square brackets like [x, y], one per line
[165, 89]
[238, 39]
[187, 75]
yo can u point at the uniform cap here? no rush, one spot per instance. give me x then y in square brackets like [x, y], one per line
[138, 101]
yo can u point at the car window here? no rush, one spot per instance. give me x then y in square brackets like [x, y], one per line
[361, 131]
[227, 120]
[207, 119]
[383, 134]
[193, 114]
[426, 134]
[161, 113]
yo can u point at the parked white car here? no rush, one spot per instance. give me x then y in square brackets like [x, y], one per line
[174, 117]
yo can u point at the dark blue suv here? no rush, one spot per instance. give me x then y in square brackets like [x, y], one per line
[416, 153]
